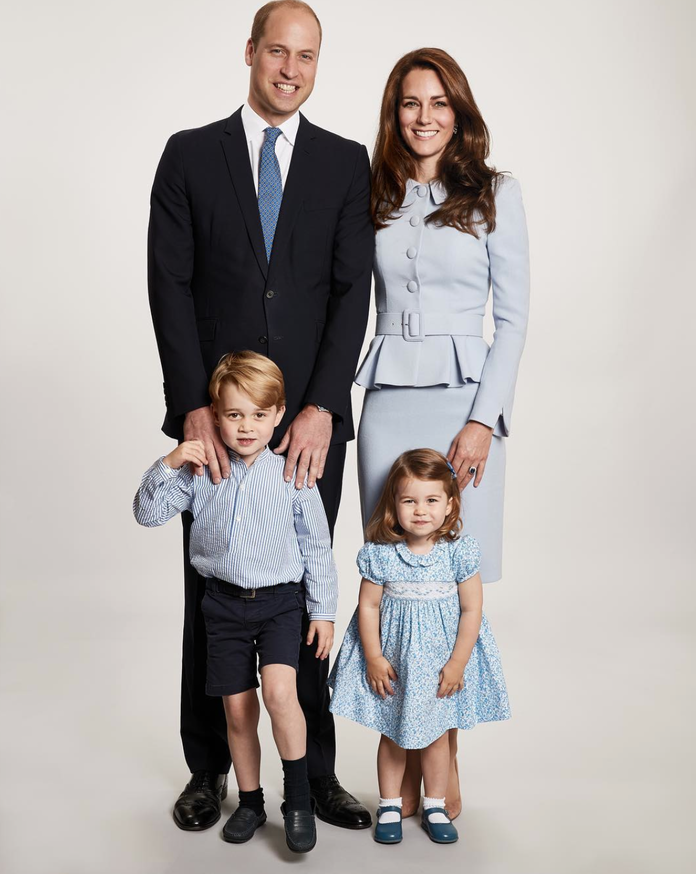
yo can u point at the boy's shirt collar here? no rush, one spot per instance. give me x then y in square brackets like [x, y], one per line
[261, 457]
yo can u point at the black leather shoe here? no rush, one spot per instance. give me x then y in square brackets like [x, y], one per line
[240, 827]
[300, 829]
[198, 806]
[336, 806]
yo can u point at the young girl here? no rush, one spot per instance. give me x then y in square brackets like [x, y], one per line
[418, 657]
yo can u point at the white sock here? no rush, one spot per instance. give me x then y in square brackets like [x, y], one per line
[390, 815]
[428, 803]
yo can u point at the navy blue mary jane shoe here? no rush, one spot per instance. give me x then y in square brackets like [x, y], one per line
[388, 832]
[440, 832]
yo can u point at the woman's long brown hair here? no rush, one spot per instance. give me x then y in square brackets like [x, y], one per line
[469, 181]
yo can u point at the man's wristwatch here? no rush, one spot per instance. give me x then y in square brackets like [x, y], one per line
[323, 409]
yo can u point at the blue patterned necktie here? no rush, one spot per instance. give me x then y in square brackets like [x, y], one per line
[270, 187]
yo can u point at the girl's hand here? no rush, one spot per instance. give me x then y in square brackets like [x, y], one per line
[379, 673]
[189, 451]
[469, 449]
[323, 630]
[451, 680]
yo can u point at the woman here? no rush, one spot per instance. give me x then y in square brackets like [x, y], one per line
[449, 228]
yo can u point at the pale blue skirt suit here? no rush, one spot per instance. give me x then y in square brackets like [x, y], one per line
[428, 370]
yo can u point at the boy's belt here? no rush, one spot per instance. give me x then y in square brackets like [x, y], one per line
[216, 585]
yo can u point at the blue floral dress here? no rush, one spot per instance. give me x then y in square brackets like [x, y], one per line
[419, 620]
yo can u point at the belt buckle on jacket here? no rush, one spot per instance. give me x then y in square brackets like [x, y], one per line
[248, 594]
[412, 326]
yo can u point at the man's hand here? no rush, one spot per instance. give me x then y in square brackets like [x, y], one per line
[191, 451]
[200, 425]
[308, 436]
[323, 630]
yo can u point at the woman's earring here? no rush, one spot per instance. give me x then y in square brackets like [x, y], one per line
[456, 128]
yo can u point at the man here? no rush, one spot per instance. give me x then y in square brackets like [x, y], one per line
[260, 239]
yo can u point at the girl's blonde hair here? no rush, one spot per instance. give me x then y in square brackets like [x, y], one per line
[254, 374]
[423, 464]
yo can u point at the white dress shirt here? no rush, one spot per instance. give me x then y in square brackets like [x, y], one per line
[254, 127]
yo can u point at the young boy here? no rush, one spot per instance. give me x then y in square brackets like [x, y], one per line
[255, 538]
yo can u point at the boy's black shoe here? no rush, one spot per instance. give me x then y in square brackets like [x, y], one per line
[198, 806]
[240, 827]
[337, 806]
[300, 829]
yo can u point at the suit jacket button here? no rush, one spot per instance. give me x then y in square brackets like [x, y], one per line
[270, 294]
[263, 339]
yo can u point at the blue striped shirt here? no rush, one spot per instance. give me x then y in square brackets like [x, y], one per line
[252, 529]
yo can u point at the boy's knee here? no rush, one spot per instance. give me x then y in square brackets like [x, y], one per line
[279, 696]
[242, 712]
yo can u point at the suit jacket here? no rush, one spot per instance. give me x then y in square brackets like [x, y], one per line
[432, 284]
[212, 290]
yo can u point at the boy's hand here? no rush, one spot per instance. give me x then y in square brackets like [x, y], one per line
[379, 673]
[188, 451]
[323, 630]
[451, 680]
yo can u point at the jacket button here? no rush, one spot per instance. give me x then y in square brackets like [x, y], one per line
[263, 339]
[270, 294]
[412, 286]
[422, 190]
[411, 253]
[415, 221]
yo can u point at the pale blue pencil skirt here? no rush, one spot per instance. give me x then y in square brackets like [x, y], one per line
[397, 418]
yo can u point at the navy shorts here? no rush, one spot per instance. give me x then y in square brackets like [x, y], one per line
[244, 632]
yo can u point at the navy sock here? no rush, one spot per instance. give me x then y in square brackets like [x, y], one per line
[296, 784]
[254, 800]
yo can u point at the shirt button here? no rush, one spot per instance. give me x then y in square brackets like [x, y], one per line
[415, 221]
[411, 253]
[422, 190]
[270, 294]
[241, 488]
[263, 339]
[412, 286]
[239, 519]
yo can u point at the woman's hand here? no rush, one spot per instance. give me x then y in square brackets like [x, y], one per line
[379, 673]
[469, 449]
[188, 452]
[451, 679]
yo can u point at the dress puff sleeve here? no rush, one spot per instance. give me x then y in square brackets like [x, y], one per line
[466, 558]
[368, 562]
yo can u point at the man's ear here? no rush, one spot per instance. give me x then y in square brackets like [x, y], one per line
[279, 416]
[249, 53]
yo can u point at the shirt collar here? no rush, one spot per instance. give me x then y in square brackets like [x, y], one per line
[254, 125]
[262, 457]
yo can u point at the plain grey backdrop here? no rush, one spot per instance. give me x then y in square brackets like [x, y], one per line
[591, 107]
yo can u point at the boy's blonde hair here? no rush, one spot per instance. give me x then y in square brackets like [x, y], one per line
[254, 374]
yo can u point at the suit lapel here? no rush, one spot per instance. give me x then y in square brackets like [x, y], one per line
[237, 156]
[296, 187]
